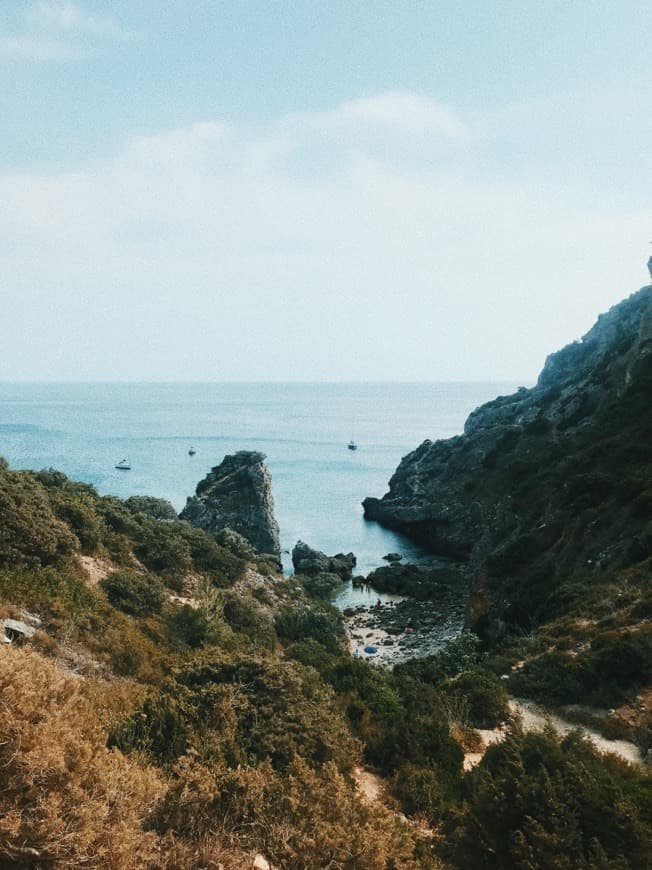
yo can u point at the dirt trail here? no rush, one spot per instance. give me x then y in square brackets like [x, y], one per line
[534, 718]
[369, 785]
[97, 569]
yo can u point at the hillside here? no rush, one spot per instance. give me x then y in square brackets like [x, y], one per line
[545, 502]
[170, 701]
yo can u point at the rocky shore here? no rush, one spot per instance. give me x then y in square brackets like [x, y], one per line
[407, 627]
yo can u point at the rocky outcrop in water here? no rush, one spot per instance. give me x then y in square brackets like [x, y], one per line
[237, 495]
[547, 481]
[311, 562]
[417, 581]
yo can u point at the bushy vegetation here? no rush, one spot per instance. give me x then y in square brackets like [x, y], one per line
[134, 593]
[538, 802]
[220, 714]
[616, 664]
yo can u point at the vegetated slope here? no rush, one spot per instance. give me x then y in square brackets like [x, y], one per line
[184, 705]
[154, 719]
[546, 501]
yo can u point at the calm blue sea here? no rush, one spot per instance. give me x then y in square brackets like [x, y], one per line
[318, 484]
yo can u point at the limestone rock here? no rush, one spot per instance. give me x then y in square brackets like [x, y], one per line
[237, 495]
[15, 630]
[310, 562]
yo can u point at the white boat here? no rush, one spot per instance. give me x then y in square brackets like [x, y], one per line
[123, 465]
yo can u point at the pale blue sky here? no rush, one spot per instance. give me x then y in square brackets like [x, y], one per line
[361, 190]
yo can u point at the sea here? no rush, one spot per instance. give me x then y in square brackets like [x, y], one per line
[84, 429]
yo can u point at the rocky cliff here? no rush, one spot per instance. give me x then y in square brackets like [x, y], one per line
[546, 483]
[237, 495]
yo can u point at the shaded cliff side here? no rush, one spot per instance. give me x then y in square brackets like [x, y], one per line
[549, 483]
[237, 495]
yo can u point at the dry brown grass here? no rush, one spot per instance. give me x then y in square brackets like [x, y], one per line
[66, 799]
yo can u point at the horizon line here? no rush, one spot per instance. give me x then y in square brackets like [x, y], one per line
[89, 382]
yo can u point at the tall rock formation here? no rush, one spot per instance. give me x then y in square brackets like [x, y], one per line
[546, 483]
[237, 494]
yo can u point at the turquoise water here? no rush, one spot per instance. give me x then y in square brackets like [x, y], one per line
[304, 429]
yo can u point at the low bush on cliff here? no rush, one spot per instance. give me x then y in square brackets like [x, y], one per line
[241, 712]
[613, 667]
[483, 694]
[66, 799]
[538, 802]
[317, 621]
[134, 593]
[30, 532]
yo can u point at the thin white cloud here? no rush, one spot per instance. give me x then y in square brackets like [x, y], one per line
[219, 239]
[390, 113]
[39, 48]
[58, 31]
[403, 110]
[70, 17]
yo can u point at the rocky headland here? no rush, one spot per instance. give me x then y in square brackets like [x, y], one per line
[547, 483]
[237, 495]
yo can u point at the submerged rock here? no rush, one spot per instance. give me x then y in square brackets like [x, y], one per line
[237, 495]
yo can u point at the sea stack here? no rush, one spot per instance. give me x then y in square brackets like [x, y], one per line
[237, 495]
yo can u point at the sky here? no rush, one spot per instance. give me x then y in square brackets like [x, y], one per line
[308, 191]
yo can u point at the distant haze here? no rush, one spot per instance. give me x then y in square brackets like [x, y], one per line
[317, 191]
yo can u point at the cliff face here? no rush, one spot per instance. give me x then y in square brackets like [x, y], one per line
[547, 481]
[237, 494]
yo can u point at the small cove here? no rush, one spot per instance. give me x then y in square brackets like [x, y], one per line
[398, 626]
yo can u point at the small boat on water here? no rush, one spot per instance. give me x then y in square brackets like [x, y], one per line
[123, 465]
[352, 445]
[192, 451]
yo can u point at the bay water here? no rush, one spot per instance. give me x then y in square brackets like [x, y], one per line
[303, 428]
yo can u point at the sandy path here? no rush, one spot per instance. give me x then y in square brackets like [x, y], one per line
[97, 569]
[534, 718]
[368, 784]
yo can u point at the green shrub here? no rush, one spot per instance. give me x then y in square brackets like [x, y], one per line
[419, 791]
[536, 803]
[485, 696]
[163, 550]
[188, 625]
[155, 508]
[319, 621]
[30, 532]
[320, 585]
[47, 589]
[134, 593]
[241, 712]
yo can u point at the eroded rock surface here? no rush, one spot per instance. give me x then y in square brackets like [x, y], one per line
[237, 495]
